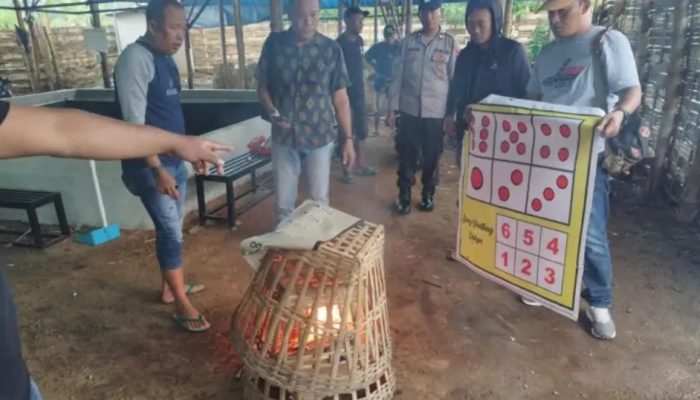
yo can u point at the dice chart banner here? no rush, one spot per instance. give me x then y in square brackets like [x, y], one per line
[525, 195]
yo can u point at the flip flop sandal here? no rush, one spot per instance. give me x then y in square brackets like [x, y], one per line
[191, 288]
[185, 323]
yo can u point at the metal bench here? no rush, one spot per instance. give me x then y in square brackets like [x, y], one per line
[30, 200]
[234, 169]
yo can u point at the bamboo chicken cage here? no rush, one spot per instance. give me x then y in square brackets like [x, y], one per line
[313, 324]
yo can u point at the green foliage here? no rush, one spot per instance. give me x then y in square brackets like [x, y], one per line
[453, 13]
[522, 8]
[539, 38]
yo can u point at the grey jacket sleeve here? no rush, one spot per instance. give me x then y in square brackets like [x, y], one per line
[133, 72]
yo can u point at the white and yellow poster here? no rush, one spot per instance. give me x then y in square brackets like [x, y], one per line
[527, 183]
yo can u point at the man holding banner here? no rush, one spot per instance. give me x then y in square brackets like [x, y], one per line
[589, 66]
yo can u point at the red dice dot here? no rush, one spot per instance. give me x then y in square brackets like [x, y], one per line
[563, 154]
[565, 131]
[544, 152]
[546, 129]
[503, 193]
[516, 177]
[562, 182]
[506, 126]
[505, 146]
[537, 204]
[483, 146]
[548, 194]
[522, 128]
[485, 122]
[484, 134]
[477, 178]
[514, 137]
[521, 149]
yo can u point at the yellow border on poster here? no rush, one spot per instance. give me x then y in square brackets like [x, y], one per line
[477, 227]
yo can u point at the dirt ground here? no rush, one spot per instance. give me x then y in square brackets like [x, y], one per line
[93, 328]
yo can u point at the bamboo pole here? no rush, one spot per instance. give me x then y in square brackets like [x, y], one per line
[643, 50]
[689, 203]
[95, 11]
[508, 18]
[376, 21]
[672, 84]
[276, 12]
[40, 42]
[408, 16]
[340, 17]
[188, 57]
[37, 50]
[46, 30]
[240, 46]
[222, 31]
[29, 60]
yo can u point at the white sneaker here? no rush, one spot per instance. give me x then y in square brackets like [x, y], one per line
[602, 325]
[530, 302]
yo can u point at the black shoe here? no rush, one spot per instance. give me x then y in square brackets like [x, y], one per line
[427, 204]
[403, 206]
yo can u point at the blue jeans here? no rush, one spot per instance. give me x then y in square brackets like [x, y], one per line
[597, 272]
[165, 212]
[287, 165]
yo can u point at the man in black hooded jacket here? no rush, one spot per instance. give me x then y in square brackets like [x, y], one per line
[490, 64]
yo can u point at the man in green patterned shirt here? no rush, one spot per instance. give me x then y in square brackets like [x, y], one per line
[302, 84]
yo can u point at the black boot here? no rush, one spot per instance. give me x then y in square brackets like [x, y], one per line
[403, 205]
[427, 203]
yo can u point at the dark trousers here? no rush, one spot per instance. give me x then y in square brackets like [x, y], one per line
[419, 135]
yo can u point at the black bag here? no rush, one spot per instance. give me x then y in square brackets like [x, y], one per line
[628, 148]
[631, 145]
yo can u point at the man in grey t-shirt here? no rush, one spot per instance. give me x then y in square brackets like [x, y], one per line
[566, 72]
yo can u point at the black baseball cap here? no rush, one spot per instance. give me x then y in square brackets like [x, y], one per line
[429, 5]
[355, 10]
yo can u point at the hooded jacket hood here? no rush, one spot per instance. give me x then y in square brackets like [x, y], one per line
[496, 13]
[502, 68]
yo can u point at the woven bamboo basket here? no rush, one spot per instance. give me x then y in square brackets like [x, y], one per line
[313, 325]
